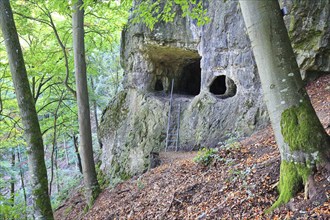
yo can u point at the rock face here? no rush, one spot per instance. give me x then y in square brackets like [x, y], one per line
[308, 24]
[215, 82]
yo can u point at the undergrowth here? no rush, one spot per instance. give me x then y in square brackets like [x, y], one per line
[206, 156]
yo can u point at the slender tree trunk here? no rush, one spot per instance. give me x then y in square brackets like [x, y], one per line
[51, 170]
[76, 149]
[12, 182]
[301, 138]
[35, 148]
[21, 173]
[56, 171]
[95, 117]
[54, 148]
[66, 153]
[85, 133]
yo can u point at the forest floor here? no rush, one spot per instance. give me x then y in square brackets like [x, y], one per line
[239, 184]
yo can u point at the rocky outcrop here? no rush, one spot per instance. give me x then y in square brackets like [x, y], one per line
[215, 81]
[308, 24]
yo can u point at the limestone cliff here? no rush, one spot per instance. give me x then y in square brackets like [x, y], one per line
[215, 81]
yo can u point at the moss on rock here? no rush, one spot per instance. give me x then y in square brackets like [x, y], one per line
[116, 112]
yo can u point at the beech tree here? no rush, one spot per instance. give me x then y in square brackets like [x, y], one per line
[39, 183]
[302, 141]
[86, 146]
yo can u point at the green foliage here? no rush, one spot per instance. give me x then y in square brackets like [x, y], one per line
[102, 178]
[230, 143]
[140, 184]
[9, 173]
[70, 184]
[115, 181]
[106, 73]
[206, 156]
[10, 211]
[150, 12]
[37, 24]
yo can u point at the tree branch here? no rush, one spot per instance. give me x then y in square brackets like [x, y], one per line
[32, 18]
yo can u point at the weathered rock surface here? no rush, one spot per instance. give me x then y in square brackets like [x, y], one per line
[308, 24]
[215, 80]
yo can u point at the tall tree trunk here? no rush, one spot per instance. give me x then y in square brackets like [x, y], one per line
[85, 133]
[35, 148]
[301, 138]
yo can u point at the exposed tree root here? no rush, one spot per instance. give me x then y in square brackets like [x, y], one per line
[293, 180]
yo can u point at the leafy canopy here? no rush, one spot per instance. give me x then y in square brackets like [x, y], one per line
[150, 12]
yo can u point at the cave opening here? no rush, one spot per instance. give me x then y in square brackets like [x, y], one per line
[159, 85]
[223, 87]
[189, 81]
[177, 64]
[218, 86]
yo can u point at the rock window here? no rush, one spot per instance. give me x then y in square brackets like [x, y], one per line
[223, 87]
[218, 86]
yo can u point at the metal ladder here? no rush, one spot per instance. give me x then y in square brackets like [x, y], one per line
[173, 124]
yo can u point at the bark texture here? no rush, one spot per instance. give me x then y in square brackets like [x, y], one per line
[85, 134]
[35, 148]
[302, 141]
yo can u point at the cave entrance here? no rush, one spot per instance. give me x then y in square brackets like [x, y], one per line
[159, 85]
[188, 82]
[218, 86]
[223, 87]
[178, 64]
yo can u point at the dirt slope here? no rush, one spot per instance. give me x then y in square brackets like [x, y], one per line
[238, 185]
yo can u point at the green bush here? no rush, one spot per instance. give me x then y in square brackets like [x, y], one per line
[9, 211]
[206, 156]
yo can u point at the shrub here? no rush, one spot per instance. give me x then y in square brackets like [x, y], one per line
[231, 143]
[206, 156]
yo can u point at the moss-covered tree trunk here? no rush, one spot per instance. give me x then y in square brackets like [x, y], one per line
[86, 149]
[35, 148]
[302, 141]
